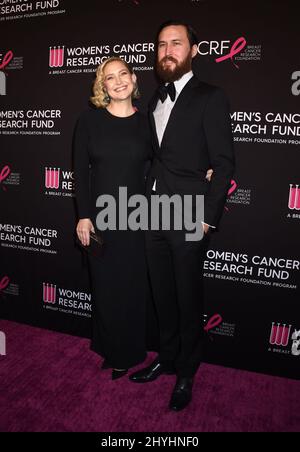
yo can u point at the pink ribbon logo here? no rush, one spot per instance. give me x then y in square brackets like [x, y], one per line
[232, 188]
[8, 56]
[4, 283]
[214, 321]
[4, 173]
[236, 48]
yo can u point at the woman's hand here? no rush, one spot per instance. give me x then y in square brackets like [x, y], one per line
[83, 229]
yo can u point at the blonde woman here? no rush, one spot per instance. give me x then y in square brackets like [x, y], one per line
[111, 150]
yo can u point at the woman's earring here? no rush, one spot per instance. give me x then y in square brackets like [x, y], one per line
[106, 97]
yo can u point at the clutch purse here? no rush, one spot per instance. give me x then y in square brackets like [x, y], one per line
[96, 246]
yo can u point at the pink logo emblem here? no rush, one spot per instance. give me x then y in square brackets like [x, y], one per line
[214, 321]
[4, 173]
[4, 282]
[236, 48]
[294, 197]
[56, 56]
[231, 190]
[6, 60]
[280, 334]
[52, 176]
[49, 293]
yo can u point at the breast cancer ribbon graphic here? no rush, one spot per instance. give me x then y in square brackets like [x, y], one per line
[214, 321]
[231, 190]
[237, 46]
[4, 174]
[4, 283]
[7, 58]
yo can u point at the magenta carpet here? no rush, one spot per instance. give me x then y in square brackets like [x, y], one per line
[51, 382]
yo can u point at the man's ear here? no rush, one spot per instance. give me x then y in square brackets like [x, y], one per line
[194, 50]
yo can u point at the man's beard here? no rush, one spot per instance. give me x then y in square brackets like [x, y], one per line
[166, 74]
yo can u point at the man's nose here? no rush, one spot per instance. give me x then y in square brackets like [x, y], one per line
[169, 50]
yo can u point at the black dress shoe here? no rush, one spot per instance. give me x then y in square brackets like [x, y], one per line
[150, 373]
[116, 373]
[182, 394]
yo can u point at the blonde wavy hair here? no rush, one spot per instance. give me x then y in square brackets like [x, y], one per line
[100, 98]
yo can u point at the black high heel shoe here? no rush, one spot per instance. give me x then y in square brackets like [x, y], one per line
[116, 373]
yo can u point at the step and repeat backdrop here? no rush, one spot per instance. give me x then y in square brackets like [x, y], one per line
[49, 51]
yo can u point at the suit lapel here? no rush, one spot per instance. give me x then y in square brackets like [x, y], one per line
[182, 100]
[152, 106]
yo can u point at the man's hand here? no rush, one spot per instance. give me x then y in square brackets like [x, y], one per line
[205, 228]
[83, 229]
[208, 177]
[209, 174]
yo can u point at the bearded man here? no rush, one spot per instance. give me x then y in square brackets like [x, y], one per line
[191, 133]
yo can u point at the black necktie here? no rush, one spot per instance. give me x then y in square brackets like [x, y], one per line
[164, 91]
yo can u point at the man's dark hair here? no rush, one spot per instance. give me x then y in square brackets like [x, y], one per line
[192, 35]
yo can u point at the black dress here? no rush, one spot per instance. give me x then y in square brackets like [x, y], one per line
[112, 152]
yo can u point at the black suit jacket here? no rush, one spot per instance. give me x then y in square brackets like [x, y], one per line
[198, 136]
